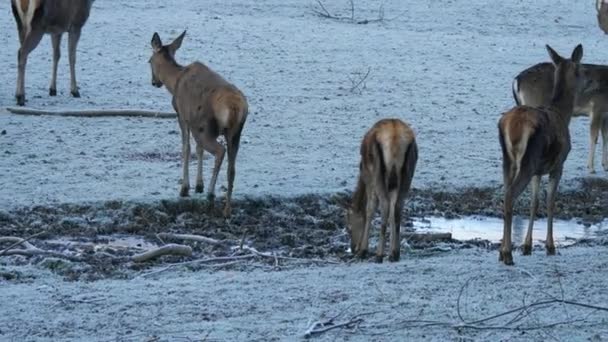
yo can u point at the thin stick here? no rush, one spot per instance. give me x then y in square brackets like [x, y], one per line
[189, 237]
[171, 248]
[201, 261]
[268, 255]
[19, 241]
[312, 331]
[34, 252]
[94, 113]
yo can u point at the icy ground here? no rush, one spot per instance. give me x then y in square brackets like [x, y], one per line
[445, 67]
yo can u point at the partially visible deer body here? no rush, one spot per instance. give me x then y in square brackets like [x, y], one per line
[534, 86]
[535, 141]
[35, 18]
[207, 106]
[388, 160]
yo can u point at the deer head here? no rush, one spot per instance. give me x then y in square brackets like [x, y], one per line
[163, 56]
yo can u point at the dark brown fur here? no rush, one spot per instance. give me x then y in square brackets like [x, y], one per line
[535, 141]
[385, 180]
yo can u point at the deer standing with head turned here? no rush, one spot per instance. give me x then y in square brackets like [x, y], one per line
[534, 86]
[207, 106]
[388, 160]
[535, 141]
[35, 18]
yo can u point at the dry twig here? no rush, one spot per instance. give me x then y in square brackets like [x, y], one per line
[189, 237]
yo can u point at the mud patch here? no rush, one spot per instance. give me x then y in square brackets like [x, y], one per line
[102, 236]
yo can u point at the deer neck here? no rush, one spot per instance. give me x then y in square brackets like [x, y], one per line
[169, 74]
[563, 102]
[359, 200]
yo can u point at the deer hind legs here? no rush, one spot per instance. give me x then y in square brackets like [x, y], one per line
[384, 206]
[513, 188]
[605, 142]
[395, 225]
[56, 43]
[527, 246]
[73, 37]
[596, 124]
[551, 192]
[200, 185]
[28, 45]
[372, 203]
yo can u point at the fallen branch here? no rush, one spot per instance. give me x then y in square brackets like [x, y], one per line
[19, 241]
[275, 257]
[226, 260]
[170, 249]
[94, 113]
[189, 237]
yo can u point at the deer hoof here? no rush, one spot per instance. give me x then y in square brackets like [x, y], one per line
[506, 257]
[379, 259]
[394, 257]
[20, 100]
[183, 192]
[75, 93]
[526, 250]
[362, 254]
[199, 188]
[550, 250]
[52, 92]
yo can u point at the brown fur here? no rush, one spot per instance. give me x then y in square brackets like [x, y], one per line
[534, 87]
[35, 18]
[207, 106]
[388, 160]
[535, 141]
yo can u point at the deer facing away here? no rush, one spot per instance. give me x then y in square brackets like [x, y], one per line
[207, 106]
[34, 18]
[535, 141]
[534, 86]
[388, 160]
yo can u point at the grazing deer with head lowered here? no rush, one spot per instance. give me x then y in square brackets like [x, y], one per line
[35, 18]
[534, 86]
[388, 160]
[207, 106]
[535, 141]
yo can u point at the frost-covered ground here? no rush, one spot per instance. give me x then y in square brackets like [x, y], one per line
[445, 67]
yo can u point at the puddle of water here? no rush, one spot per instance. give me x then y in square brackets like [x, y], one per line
[489, 228]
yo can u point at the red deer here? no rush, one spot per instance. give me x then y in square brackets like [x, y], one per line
[535, 141]
[388, 160]
[534, 86]
[207, 106]
[35, 18]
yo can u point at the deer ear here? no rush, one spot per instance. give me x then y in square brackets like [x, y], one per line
[577, 54]
[177, 43]
[555, 57]
[156, 43]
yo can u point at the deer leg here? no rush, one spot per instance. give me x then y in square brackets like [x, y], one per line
[199, 187]
[372, 203]
[594, 132]
[527, 247]
[73, 38]
[605, 141]
[29, 44]
[212, 146]
[513, 189]
[233, 142]
[56, 42]
[395, 222]
[384, 211]
[551, 192]
[185, 158]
